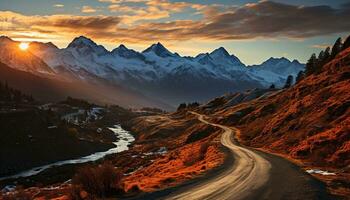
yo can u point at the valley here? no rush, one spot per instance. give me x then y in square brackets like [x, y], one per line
[82, 122]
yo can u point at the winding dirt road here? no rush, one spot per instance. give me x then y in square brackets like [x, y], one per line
[252, 175]
[249, 172]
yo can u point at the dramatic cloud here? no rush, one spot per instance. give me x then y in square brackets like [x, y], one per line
[148, 9]
[263, 19]
[53, 26]
[270, 19]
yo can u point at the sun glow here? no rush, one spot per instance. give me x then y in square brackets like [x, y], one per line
[23, 46]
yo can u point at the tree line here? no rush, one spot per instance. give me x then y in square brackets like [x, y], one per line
[315, 63]
[9, 94]
[184, 106]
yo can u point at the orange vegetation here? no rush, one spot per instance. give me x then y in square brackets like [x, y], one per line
[193, 150]
[309, 122]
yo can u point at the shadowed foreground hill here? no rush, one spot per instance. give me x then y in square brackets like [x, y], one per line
[309, 121]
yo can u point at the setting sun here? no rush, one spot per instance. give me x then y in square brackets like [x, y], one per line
[23, 46]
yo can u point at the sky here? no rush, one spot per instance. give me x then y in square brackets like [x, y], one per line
[252, 30]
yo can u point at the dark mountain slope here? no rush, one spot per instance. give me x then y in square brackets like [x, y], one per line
[55, 90]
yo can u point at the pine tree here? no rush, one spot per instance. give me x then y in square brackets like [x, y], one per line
[346, 43]
[182, 106]
[319, 62]
[311, 65]
[272, 86]
[299, 77]
[327, 55]
[289, 82]
[337, 47]
[320, 56]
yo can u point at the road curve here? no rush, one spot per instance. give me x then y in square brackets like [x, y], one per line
[249, 172]
[250, 175]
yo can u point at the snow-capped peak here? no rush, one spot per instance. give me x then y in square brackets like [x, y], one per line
[274, 61]
[222, 52]
[224, 57]
[159, 50]
[123, 51]
[86, 46]
[282, 67]
[81, 41]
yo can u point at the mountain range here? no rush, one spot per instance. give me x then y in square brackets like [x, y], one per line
[155, 76]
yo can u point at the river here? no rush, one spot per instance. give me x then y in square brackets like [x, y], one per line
[125, 138]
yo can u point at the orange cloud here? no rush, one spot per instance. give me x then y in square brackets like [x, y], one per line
[263, 19]
[88, 9]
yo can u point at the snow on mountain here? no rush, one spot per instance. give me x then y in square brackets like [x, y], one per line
[124, 52]
[276, 70]
[159, 50]
[85, 46]
[222, 57]
[157, 69]
[282, 66]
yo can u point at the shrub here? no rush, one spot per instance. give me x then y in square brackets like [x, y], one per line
[101, 181]
[200, 134]
[134, 189]
[75, 193]
[19, 194]
[197, 156]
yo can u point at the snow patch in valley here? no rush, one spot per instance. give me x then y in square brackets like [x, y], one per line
[318, 171]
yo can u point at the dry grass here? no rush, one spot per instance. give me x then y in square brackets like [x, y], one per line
[101, 181]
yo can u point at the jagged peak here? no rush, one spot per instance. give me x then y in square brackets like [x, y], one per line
[81, 40]
[202, 55]
[123, 51]
[156, 46]
[220, 51]
[159, 50]
[122, 46]
[273, 60]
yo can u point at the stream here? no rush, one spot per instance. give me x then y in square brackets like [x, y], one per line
[125, 138]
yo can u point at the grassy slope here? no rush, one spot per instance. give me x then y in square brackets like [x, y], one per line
[309, 122]
[193, 148]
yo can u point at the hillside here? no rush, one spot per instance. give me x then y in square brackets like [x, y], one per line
[309, 122]
[155, 72]
[54, 89]
[32, 135]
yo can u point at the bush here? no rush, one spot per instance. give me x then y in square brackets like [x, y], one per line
[19, 194]
[197, 156]
[200, 134]
[101, 181]
[203, 150]
[134, 189]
